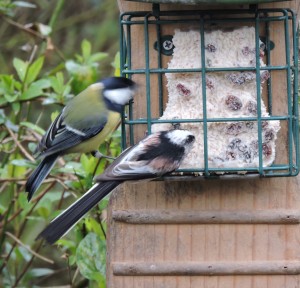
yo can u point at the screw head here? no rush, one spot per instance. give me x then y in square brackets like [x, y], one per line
[165, 46]
[168, 45]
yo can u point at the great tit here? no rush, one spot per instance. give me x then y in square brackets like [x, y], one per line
[83, 125]
[156, 155]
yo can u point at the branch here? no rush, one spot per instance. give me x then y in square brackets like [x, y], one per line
[28, 248]
[22, 229]
[20, 26]
[23, 150]
[26, 267]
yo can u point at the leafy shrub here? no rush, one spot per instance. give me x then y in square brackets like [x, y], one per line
[31, 96]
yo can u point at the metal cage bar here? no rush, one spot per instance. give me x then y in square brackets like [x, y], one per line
[201, 18]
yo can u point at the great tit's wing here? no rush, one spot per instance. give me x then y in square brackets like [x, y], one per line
[61, 136]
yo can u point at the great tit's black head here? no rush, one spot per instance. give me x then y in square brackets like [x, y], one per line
[118, 91]
[112, 83]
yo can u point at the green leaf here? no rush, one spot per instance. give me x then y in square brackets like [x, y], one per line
[57, 82]
[116, 65]
[22, 163]
[23, 4]
[67, 243]
[11, 125]
[79, 58]
[45, 30]
[34, 70]
[93, 226]
[54, 115]
[44, 212]
[33, 127]
[72, 67]
[2, 208]
[88, 163]
[24, 253]
[7, 85]
[86, 49]
[35, 89]
[39, 272]
[90, 257]
[11, 98]
[16, 171]
[52, 197]
[97, 57]
[16, 107]
[103, 203]
[2, 117]
[70, 167]
[72, 260]
[21, 68]
[22, 200]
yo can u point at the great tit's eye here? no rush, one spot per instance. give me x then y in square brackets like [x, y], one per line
[190, 139]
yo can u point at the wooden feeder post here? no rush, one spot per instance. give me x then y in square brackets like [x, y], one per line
[210, 233]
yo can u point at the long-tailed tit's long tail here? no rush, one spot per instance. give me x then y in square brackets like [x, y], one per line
[65, 221]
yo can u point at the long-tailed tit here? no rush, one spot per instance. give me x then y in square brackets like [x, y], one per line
[154, 156]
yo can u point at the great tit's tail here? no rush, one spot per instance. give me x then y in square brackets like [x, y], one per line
[60, 225]
[39, 174]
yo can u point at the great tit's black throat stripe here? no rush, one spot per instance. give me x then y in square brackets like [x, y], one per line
[113, 106]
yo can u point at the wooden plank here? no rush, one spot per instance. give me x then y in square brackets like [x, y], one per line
[272, 216]
[168, 268]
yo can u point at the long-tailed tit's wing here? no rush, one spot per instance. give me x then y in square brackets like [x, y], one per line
[158, 154]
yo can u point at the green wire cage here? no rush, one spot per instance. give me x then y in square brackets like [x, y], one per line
[153, 76]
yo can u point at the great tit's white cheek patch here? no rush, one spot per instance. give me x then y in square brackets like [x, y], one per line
[119, 96]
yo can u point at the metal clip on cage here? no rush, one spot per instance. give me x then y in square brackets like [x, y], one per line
[145, 110]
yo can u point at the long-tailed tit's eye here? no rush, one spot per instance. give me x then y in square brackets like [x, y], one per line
[190, 139]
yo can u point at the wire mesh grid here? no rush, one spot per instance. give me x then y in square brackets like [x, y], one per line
[154, 26]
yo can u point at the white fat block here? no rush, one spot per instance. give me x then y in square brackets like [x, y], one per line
[228, 95]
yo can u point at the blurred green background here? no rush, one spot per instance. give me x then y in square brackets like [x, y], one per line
[71, 22]
[49, 52]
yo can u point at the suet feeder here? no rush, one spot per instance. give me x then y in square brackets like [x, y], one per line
[219, 69]
[228, 71]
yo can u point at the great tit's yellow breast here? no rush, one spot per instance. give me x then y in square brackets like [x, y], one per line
[93, 143]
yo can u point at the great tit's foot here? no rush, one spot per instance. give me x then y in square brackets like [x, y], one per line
[99, 155]
[176, 125]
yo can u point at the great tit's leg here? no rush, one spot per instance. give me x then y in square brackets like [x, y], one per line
[176, 125]
[99, 155]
